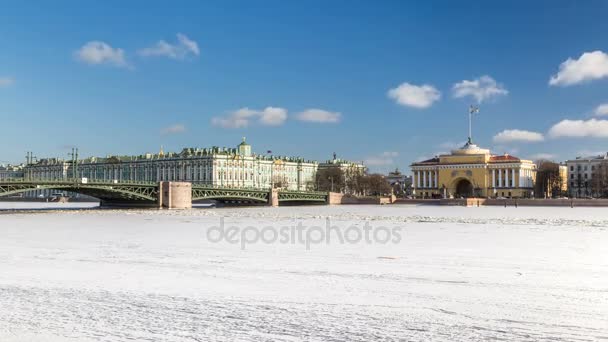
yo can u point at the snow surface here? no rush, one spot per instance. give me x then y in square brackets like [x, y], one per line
[458, 274]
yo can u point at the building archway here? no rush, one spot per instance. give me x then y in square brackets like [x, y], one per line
[464, 188]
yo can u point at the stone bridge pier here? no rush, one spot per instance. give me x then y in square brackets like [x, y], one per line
[175, 195]
[273, 198]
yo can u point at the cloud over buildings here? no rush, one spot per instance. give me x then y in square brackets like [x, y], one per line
[319, 116]
[481, 89]
[244, 117]
[173, 129]
[517, 135]
[415, 96]
[593, 128]
[383, 159]
[588, 67]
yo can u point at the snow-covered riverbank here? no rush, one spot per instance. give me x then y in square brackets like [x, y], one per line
[455, 274]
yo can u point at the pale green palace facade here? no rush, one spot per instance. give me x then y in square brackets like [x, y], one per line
[216, 166]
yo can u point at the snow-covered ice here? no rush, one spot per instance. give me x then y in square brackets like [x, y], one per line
[457, 274]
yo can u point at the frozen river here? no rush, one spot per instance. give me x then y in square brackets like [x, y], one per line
[426, 273]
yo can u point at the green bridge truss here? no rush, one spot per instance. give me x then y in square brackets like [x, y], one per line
[205, 192]
[302, 196]
[149, 191]
[102, 190]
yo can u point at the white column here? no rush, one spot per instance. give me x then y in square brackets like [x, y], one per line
[512, 178]
[424, 179]
[493, 178]
[499, 178]
[418, 175]
[507, 184]
[519, 185]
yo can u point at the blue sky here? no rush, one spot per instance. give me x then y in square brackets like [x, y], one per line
[388, 82]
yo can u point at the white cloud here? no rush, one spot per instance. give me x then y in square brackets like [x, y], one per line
[450, 145]
[173, 129]
[6, 81]
[96, 52]
[273, 116]
[601, 110]
[319, 115]
[411, 95]
[501, 149]
[543, 156]
[590, 66]
[590, 153]
[515, 135]
[427, 157]
[269, 116]
[237, 119]
[384, 159]
[180, 50]
[481, 89]
[580, 128]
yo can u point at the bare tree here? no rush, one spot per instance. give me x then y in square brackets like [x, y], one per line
[330, 179]
[599, 180]
[548, 180]
[372, 185]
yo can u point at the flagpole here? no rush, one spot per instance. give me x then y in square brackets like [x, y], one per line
[472, 110]
[470, 127]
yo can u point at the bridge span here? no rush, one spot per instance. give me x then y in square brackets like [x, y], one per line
[163, 194]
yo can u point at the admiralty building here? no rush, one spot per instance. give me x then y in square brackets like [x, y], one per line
[215, 166]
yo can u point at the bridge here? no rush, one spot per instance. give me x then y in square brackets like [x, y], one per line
[162, 193]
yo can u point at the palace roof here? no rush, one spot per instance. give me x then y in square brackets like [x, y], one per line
[428, 161]
[503, 158]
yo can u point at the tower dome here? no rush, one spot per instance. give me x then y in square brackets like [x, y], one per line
[470, 148]
[244, 149]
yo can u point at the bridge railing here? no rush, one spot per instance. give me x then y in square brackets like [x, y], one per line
[74, 181]
[138, 182]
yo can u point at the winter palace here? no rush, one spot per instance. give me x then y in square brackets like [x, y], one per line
[216, 166]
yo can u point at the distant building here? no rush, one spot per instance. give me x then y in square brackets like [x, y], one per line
[215, 166]
[350, 170]
[471, 171]
[11, 172]
[585, 175]
[563, 174]
[396, 179]
[348, 167]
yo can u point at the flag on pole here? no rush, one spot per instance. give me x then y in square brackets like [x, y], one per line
[473, 109]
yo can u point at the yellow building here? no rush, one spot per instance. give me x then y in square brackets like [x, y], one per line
[471, 171]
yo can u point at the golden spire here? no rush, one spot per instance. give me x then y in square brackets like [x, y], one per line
[161, 152]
